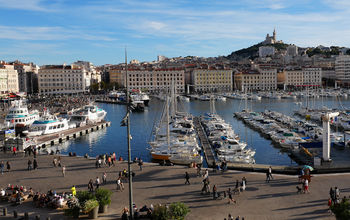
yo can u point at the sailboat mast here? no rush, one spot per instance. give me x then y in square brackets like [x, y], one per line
[167, 120]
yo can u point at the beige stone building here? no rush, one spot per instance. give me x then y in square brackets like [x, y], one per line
[306, 76]
[8, 79]
[247, 80]
[62, 79]
[293, 77]
[117, 76]
[256, 79]
[156, 81]
[206, 80]
[342, 69]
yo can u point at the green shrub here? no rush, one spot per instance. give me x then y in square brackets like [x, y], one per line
[160, 213]
[342, 210]
[103, 196]
[90, 205]
[178, 210]
[83, 196]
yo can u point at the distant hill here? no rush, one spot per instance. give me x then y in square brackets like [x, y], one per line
[252, 51]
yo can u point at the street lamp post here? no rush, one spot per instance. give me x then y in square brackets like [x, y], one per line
[128, 137]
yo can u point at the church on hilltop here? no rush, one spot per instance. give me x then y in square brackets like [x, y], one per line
[271, 39]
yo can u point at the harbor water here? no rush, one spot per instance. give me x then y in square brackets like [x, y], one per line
[114, 138]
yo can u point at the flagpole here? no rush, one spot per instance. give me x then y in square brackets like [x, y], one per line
[129, 148]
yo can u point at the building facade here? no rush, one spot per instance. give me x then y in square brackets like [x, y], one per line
[62, 79]
[268, 78]
[204, 80]
[293, 77]
[156, 81]
[27, 77]
[312, 76]
[247, 80]
[117, 76]
[8, 79]
[342, 68]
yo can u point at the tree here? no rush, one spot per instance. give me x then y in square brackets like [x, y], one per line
[341, 210]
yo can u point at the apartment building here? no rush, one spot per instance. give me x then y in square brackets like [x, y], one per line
[268, 78]
[207, 80]
[62, 79]
[247, 80]
[117, 76]
[342, 68]
[306, 76]
[8, 78]
[27, 77]
[312, 76]
[155, 81]
[256, 79]
[293, 77]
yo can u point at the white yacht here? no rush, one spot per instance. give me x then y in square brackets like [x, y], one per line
[47, 124]
[19, 115]
[87, 115]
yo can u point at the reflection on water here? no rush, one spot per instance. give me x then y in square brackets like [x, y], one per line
[113, 139]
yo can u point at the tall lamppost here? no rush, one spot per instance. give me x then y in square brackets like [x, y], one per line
[126, 121]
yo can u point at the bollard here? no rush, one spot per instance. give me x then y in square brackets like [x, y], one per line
[15, 215]
[37, 217]
[48, 218]
[4, 211]
[26, 216]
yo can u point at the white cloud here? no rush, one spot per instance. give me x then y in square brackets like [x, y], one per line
[49, 34]
[32, 5]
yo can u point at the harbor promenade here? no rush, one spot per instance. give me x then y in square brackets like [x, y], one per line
[162, 185]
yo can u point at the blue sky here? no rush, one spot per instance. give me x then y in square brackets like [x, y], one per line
[63, 31]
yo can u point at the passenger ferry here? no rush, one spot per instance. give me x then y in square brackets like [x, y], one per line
[48, 124]
[19, 115]
[87, 115]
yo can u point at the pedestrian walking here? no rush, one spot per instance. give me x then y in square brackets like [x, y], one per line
[97, 182]
[120, 185]
[237, 188]
[230, 198]
[215, 192]
[187, 177]
[268, 176]
[199, 170]
[104, 178]
[2, 165]
[270, 172]
[91, 186]
[337, 193]
[140, 164]
[54, 162]
[74, 191]
[244, 183]
[35, 164]
[30, 164]
[331, 194]
[306, 186]
[14, 150]
[8, 166]
[59, 161]
[64, 171]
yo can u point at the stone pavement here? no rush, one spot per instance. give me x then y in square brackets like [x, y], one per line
[157, 184]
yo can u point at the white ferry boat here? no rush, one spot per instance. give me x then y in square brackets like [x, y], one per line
[19, 115]
[87, 115]
[48, 124]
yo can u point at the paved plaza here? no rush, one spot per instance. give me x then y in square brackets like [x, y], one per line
[157, 184]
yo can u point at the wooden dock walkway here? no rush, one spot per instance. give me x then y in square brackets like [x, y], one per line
[53, 139]
[208, 152]
[111, 101]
